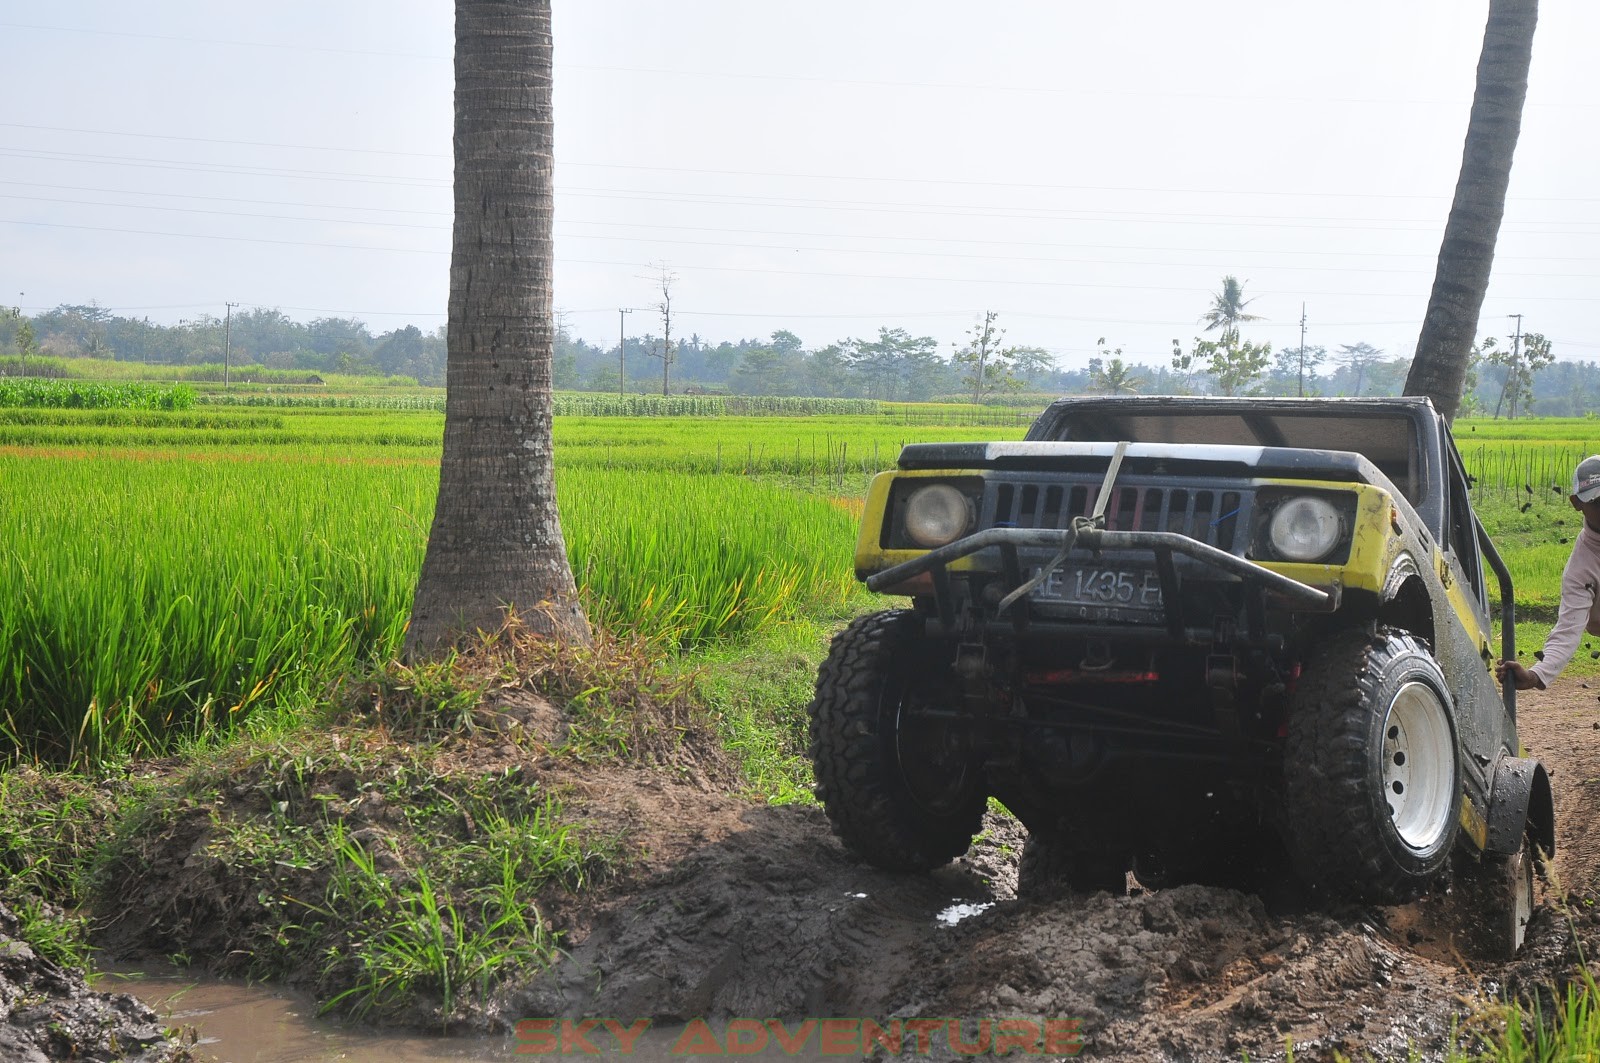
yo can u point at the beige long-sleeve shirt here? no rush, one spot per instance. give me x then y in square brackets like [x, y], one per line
[1580, 606]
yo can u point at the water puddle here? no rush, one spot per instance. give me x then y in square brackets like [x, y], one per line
[241, 1023]
[962, 910]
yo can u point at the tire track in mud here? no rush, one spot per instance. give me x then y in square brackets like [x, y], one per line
[765, 916]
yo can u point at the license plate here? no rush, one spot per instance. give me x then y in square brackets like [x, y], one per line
[1118, 588]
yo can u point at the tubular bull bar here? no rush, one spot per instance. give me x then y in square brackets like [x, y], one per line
[1086, 534]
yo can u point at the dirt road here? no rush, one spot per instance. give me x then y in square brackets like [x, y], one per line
[757, 912]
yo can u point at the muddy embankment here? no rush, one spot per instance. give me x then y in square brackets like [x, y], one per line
[758, 913]
[734, 910]
[49, 1013]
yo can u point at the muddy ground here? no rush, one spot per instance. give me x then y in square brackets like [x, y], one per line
[757, 912]
[731, 909]
[49, 1013]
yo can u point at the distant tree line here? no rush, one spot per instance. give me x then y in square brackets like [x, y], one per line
[1509, 377]
[255, 336]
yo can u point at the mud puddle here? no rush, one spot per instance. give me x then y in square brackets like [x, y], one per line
[240, 1023]
[236, 1022]
[745, 916]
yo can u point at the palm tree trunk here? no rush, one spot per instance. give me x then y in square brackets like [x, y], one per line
[496, 541]
[1467, 252]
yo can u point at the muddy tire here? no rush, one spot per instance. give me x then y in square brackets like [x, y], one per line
[1371, 778]
[1491, 902]
[1047, 868]
[901, 789]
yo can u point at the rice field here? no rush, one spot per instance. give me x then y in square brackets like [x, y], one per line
[85, 394]
[166, 572]
[149, 596]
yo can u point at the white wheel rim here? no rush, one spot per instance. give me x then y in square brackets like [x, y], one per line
[1522, 908]
[1418, 766]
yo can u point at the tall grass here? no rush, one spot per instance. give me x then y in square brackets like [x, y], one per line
[692, 558]
[82, 394]
[142, 600]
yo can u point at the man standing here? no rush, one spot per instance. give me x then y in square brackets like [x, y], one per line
[1580, 582]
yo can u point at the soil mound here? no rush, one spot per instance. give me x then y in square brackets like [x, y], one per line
[760, 913]
[48, 1013]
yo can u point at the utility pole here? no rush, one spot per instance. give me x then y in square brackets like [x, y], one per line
[622, 346]
[666, 331]
[1516, 364]
[664, 278]
[24, 334]
[1302, 350]
[227, 341]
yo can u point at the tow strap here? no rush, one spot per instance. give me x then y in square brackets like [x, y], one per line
[1095, 520]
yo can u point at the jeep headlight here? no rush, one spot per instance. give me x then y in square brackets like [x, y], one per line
[1305, 529]
[937, 514]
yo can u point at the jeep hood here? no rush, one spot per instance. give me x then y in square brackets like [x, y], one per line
[1154, 458]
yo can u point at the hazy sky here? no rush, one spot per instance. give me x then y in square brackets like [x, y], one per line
[1085, 169]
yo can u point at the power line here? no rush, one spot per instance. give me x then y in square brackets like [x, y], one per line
[227, 199]
[210, 40]
[223, 140]
[785, 247]
[226, 169]
[213, 236]
[404, 180]
[562, 260]
[225, 213]
[876, 237]
[964, 87]
[793, 175]
[1120, 217]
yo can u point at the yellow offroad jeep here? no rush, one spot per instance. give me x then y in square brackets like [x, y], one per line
[1176, 635]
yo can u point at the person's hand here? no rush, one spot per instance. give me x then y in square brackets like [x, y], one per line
[1520, 677]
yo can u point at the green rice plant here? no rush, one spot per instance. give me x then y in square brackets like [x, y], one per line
[141, 601]
[136, 418]
[146, 600]
[33, 391]
[691, 558]
[425, 403]
[36, 365]
[822, 452]
[582, 404]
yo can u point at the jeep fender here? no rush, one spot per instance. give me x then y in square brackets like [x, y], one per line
[1405, 602]
[1520, 802]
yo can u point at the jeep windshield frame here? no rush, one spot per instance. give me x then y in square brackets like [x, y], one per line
[1399, 436]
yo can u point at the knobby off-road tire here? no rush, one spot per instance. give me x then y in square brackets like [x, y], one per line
[1491, 902]
[900, 790]
[1371, 779]
[1049, 866]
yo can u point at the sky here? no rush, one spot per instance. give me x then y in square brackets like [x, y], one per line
[1088, 171]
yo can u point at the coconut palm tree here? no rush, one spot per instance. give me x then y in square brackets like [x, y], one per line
[496, 542]
[1116, 377]
[1466, 254]
[1227, 307]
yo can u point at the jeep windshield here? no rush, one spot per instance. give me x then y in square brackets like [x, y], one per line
[1385, 434]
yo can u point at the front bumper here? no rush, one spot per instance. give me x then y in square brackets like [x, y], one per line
[933, 570]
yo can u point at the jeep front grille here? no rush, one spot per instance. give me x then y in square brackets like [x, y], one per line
[1213, 515]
